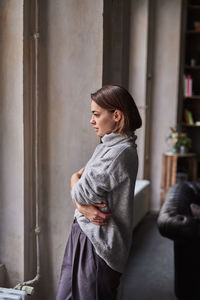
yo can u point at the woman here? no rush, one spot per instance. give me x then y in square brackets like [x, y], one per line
[99, 243]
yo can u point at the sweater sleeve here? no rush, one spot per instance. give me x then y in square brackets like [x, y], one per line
[92, 187]
[101, 178]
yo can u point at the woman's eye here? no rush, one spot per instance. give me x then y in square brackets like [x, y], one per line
[96, 115]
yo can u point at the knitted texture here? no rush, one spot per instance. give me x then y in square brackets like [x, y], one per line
[109, 177]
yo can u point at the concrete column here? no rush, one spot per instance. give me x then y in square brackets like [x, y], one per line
[153, 81]
[71, 42]
[11, 140]
[165, 86]
[138, 69]
[116, 42]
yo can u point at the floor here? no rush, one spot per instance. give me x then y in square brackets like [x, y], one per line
[149, 272]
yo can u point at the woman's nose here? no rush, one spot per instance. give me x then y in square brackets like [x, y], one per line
[92, 121]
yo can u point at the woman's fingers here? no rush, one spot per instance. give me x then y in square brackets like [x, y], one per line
[100, 214]
[93, 214]
[102, 217]
[100, 223]
[100, 204]
[80, 172]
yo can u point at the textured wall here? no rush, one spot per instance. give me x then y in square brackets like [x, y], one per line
[71, 66]
[70, 69]
[11, 138]
[165, 43]
[138, 66]
[165, 85]
[116, 42]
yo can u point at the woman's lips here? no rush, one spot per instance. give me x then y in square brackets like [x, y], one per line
[96, 129]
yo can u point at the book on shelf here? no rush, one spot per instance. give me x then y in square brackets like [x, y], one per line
[188, 117]
[187, 85]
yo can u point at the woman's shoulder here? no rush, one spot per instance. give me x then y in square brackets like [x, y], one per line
[124, 163]
[118, 161]
[123, 155]
[120, 150]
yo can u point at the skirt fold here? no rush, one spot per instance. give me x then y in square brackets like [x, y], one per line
[84, 275]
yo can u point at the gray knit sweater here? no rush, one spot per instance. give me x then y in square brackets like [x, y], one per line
[109, 177]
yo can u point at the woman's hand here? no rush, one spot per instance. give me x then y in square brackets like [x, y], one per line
[93, 214]
[76, 176]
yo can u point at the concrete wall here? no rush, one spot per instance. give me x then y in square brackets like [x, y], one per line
[165, 41]
[11, 139]
[71, 41]
[138, 68]
[71, 66]
[165, 85]
[116, 22]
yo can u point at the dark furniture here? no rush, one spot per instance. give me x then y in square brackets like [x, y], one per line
[170, 166]
[176, 222]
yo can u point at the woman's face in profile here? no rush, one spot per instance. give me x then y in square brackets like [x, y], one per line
[102, 120]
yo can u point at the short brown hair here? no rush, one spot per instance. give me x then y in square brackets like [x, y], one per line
[112, 97]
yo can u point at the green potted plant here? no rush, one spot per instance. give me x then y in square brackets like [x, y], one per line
[183, 143]
[173, 137]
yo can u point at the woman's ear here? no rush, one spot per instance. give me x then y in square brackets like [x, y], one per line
[117, 115]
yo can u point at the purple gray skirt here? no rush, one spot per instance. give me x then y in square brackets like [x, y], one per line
[85, 275]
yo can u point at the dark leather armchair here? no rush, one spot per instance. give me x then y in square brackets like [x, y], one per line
[179, 221]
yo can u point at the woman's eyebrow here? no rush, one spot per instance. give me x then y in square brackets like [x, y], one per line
[93, 111]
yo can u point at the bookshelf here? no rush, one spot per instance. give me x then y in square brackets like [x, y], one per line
[189, 80]
[177, 167]
[193, 97]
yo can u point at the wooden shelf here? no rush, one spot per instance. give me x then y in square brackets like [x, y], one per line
[170, 167]
[197, 67]
[193, 32]
[190, 6]
[190, 125]
[188, 154]
[194, 97]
